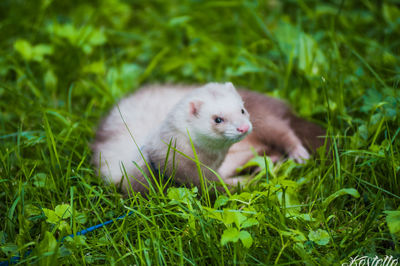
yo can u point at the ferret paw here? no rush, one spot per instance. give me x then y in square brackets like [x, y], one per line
[299, 154]
[234, 181]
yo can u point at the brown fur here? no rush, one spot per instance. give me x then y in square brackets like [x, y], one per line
[274, 124]
[311, 135]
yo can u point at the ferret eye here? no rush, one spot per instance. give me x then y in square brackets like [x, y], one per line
[242, 111]
[218, 120]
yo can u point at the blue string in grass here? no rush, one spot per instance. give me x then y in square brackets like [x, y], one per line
[16, 259]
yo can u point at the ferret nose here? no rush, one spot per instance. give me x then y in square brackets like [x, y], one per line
[243, 128]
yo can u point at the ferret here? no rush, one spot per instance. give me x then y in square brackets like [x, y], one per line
[153, 123]
[157, 111]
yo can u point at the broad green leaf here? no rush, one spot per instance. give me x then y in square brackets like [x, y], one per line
[32, 52]
[249, 222]
[118, 15]
[389, 58]
[24, 48]
[306, 217]
[50, 79]
[244, 196]
[256, 161]
[95, 67]
[31, 210]
[63, 251]
[244, 68]
[393, 221]
[89, 259]
[47, 246]
[345, 191]
[85, 37]
[178, 21]
[67, 31]
[228, 217]
[105, 240]
[9, 248]
[239, 219]
[97, 37]
[40, 50]
[260, 162]
[121, 78]
[221, 201]
[230, 235]
[233, 216]
[391, 13]
[246, 239]
[81, 240]
[286, 168]
[76, 241]
[63, 211]
[87, 49]
[214, 214]
[52, 217]
[64, 228]
[180, 195]
[363, 132]
[81, 218]
[292, 204]
[295, 235]
[320, 237]
[288, 183]
[39, 180]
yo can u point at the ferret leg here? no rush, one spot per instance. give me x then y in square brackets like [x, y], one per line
[293, 147]
[299, 154]
[232, 161]
[278, 133]
[238, 154]
[234, 181]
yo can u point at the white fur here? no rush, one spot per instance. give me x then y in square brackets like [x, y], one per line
[137, 114]
[153, 115]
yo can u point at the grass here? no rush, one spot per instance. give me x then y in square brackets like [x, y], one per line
[63, 64]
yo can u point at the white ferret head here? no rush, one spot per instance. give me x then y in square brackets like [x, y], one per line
[215, 116]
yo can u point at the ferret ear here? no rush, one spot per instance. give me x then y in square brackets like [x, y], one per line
[230, 86]
[194, 107]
